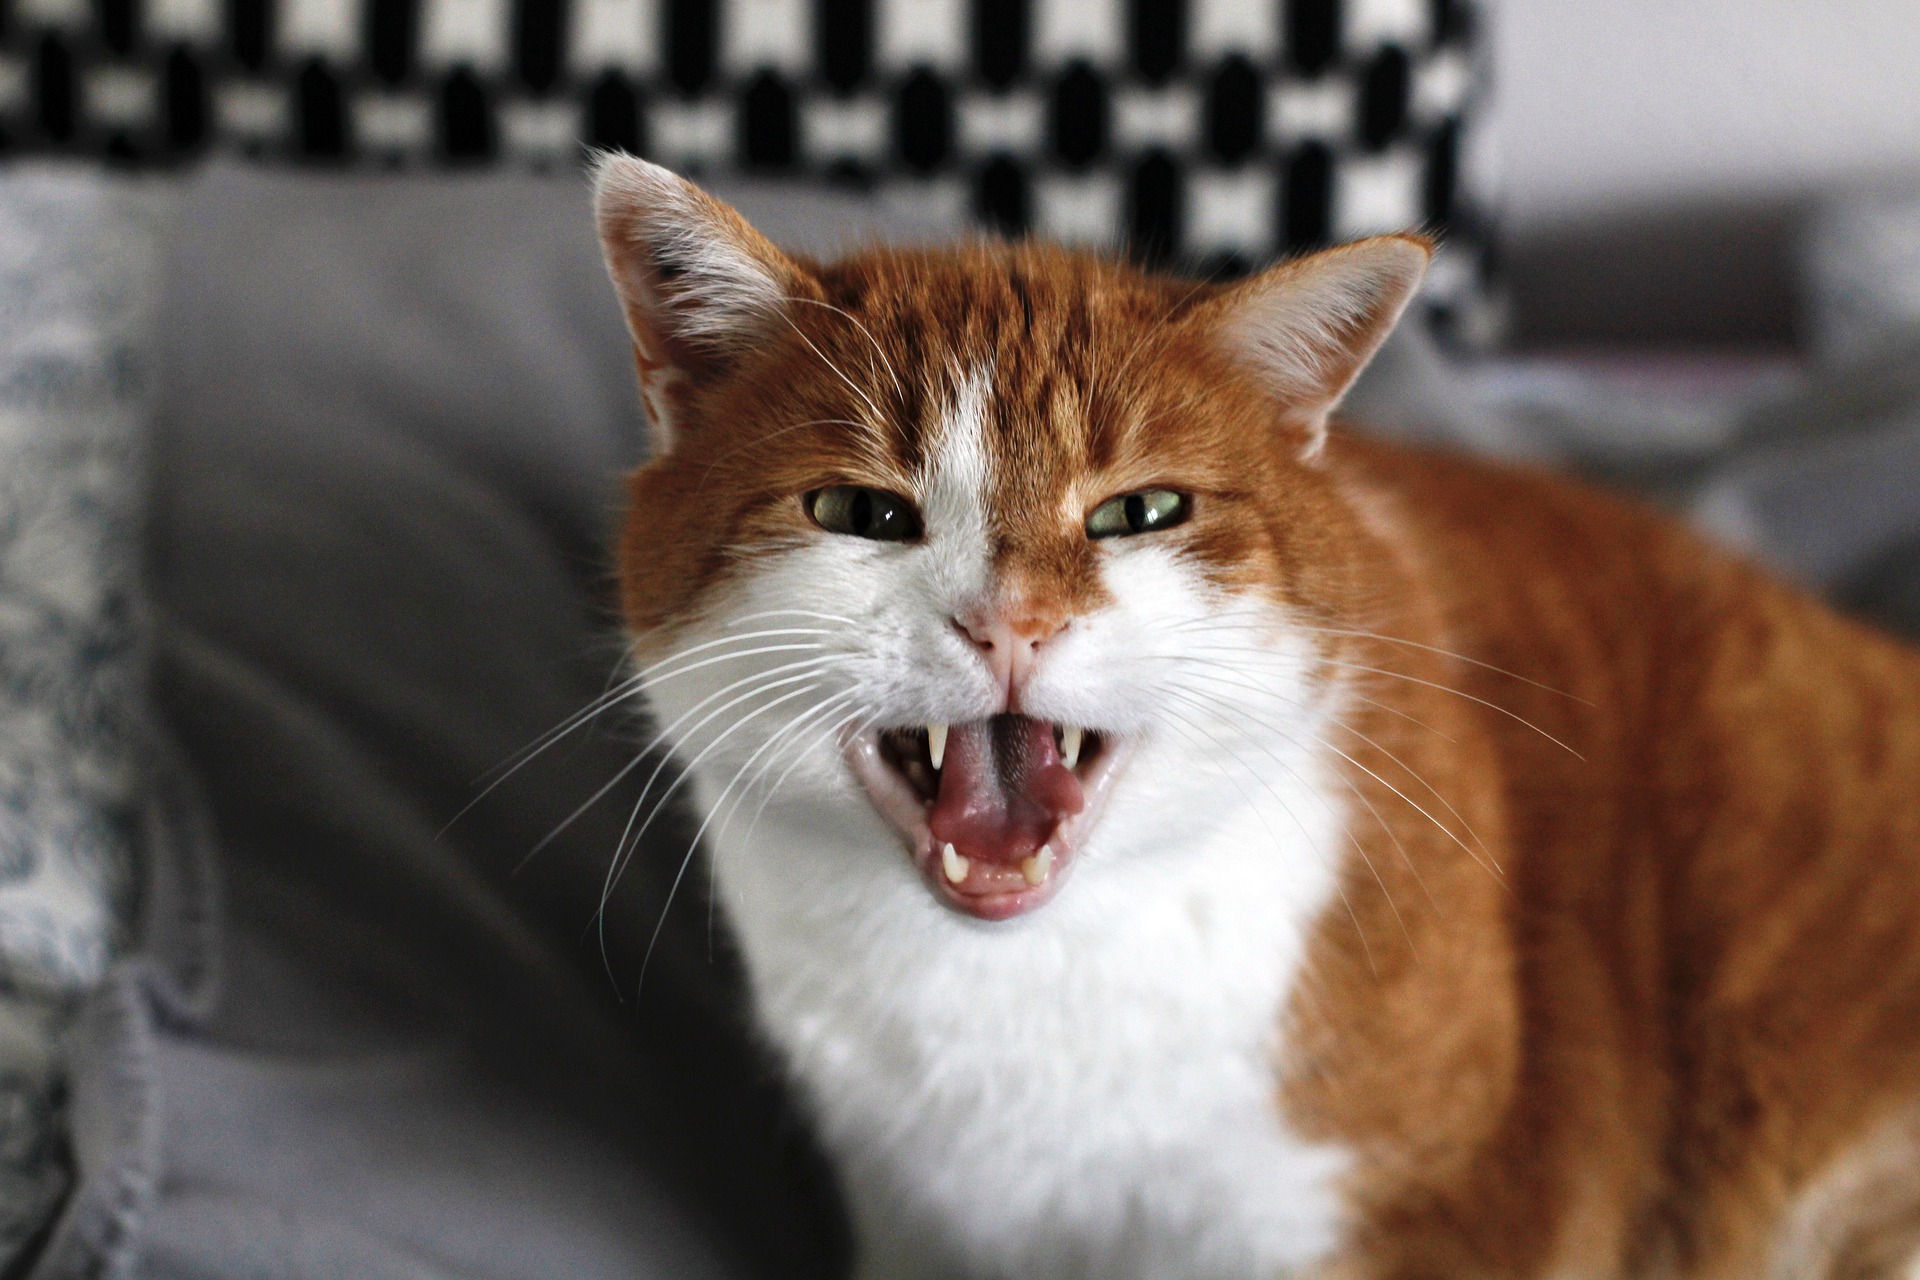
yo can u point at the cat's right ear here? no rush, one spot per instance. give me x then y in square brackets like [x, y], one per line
[698, 284]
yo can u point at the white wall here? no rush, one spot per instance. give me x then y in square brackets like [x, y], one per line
[1618, 103]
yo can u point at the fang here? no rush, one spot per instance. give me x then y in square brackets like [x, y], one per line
[954, 864]
[1036, 866]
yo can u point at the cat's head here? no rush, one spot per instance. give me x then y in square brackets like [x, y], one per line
[975, 556]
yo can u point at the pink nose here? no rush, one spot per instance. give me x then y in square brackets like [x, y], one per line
[1010, 644]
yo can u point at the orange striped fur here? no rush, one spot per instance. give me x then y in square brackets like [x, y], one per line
[1623, 974]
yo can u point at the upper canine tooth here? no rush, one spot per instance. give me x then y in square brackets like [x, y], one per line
[936, 744]
[1036, 865]
[1069, 745]
[954, 863]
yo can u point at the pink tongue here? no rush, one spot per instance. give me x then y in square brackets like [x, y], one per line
[1002, 789]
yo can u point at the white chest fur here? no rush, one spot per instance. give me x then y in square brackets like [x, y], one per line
[1088, 1091]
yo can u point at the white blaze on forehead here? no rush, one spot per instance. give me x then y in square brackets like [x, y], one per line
[954, 485]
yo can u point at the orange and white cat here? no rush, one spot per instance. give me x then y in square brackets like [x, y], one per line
[1169, 840]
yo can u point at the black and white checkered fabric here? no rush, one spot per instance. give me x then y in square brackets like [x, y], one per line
[1208, 131]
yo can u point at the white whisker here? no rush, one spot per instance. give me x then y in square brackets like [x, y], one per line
[1358, 794]
[1255, 687]
[759, 440]
[794, 613]
[1395, 711]
[1285, 808]
[899, 389]
[780, 739]
[784, 738]
[1449, 831]
[1459, 693]
[621, 860]
[1401, 675]
[625, 689]
[799, 759]
[1358, 848]
[878, 416]
[805, 665]
[1356, 633]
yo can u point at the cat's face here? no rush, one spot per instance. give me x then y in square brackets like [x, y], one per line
[991, 549]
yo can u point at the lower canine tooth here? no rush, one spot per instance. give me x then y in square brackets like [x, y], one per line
[955, 864]
[936, 744]
[1036, 866]
[1069, 745]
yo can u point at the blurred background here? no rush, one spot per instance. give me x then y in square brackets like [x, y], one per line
[1638, 103]
[313, 406]
[1672, 153]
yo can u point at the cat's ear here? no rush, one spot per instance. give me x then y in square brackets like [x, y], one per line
[1306, 328]
[698, 284]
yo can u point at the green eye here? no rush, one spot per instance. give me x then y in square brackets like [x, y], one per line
[864, 513]
[1142, 512]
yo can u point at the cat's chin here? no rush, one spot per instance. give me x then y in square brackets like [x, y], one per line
[992, 880]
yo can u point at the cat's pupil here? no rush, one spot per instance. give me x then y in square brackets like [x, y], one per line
[860, 513]
[1139, 515]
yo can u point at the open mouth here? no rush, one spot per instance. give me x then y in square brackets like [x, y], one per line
[993, 811]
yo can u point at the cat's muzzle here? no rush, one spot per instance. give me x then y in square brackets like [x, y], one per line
[993, 811]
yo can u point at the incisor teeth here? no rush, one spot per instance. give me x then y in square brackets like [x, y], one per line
[1069, 745]
[936, 743]
[1036, 866]
[954, 863]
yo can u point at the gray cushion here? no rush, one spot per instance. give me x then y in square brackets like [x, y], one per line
[386, 466]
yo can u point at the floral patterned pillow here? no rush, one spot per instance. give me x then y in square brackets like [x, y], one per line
[77, 278]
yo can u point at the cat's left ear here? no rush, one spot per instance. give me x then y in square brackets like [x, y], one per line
[698, 285]
[1306, 328]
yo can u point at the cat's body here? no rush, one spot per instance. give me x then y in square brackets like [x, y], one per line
[1465, 874]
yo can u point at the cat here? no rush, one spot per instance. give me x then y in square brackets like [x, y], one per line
[1169, 838]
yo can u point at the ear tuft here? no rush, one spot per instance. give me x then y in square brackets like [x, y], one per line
[696, 282]
[1308, 327]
